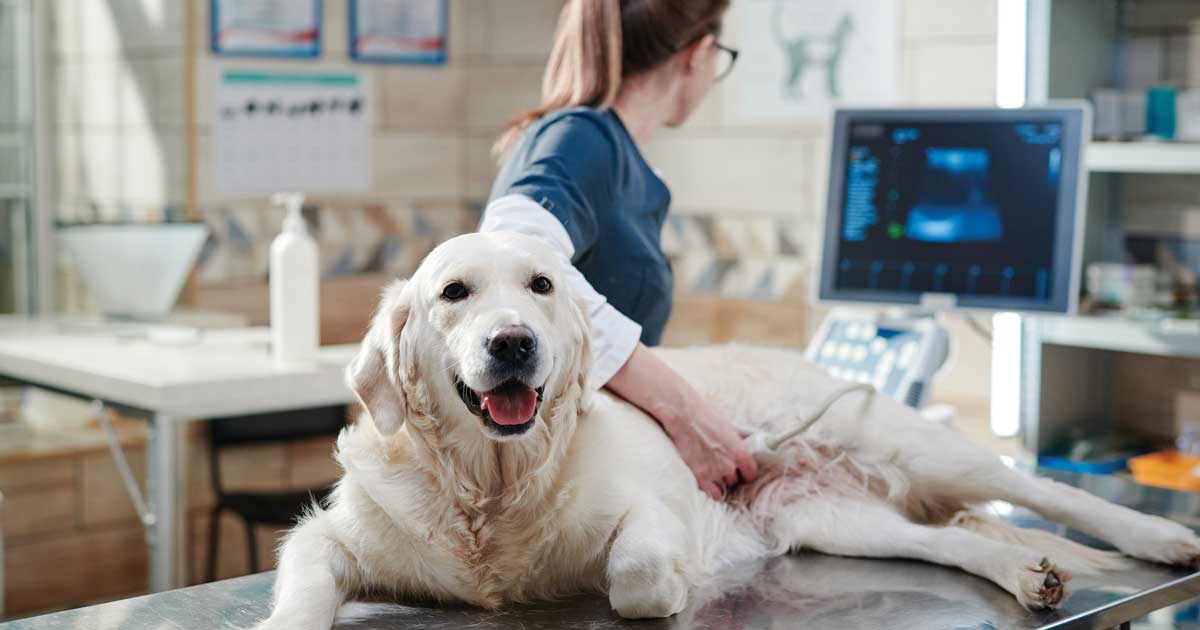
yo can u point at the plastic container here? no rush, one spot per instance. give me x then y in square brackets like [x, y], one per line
[1167, 469]
[1160, 112]
[295, 281]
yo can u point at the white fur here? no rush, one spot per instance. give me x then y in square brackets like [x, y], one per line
[595, 498]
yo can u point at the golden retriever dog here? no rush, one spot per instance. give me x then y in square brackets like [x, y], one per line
[485, 471]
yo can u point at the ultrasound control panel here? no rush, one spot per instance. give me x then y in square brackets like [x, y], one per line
[898, 356]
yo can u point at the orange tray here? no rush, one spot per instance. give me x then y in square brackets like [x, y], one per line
[1167, 469]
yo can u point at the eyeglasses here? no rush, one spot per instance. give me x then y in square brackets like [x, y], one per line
[725, 60]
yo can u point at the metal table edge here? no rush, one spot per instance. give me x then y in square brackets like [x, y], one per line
[1137, 605]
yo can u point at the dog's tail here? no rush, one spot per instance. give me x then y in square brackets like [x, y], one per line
[358, 612]
[1068, 554]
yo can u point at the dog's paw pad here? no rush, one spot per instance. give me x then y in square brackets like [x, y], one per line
[1043, 586]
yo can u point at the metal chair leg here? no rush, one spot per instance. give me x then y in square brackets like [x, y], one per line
[252, 547]
[214, 543]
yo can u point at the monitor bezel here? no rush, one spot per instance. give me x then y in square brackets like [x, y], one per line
[1075, 117]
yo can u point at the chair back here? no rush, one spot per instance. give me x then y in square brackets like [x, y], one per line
[282, 426]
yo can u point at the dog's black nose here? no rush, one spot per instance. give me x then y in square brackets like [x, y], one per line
[512, 344]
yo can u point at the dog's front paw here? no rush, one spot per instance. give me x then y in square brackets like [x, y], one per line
[664, 599]
[1160, 540]
[648, 594]
[1042, 586]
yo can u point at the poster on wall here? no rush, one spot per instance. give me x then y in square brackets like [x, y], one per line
[398, 31]
[266, 28]
[304, 131]
[799, 58]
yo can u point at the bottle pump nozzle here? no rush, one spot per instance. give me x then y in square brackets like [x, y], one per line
[292, 202]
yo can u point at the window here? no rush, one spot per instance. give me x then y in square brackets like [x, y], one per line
[16, 158]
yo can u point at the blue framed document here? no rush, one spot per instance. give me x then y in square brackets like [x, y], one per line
[398, 31]
[266, 28]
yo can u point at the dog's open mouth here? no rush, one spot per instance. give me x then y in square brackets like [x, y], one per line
[508, 409]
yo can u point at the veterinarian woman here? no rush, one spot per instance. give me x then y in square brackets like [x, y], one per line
[573, 174]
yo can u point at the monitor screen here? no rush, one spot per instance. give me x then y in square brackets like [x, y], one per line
[977, 207]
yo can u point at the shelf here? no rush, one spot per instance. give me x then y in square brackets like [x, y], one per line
[13, 191]
[1170, 337]
[1144, 157]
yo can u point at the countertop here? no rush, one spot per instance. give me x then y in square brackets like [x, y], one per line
[185, 372]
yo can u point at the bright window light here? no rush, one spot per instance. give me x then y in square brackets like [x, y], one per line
[1006, 374]
[1011, 43]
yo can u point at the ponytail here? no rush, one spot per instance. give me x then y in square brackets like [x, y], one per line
[598, 42]
[584, 66]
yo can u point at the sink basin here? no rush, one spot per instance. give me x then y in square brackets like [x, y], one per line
[134, 271]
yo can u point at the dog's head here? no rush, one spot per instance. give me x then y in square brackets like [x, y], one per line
[478, 339]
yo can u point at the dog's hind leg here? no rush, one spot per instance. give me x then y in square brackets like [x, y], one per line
[307, 590]
[1139, 535]
[968, 474]
[863, 528]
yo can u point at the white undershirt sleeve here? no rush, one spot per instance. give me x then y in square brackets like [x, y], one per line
[614, 336]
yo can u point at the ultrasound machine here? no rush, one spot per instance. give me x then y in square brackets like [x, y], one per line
[938, 210]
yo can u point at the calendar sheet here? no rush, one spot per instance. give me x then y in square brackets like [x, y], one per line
[304, 131]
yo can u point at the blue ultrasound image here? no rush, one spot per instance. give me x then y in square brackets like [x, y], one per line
[954, 203]
[950, 207]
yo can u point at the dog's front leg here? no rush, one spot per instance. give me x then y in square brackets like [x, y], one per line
[647, 564]
[307, 592]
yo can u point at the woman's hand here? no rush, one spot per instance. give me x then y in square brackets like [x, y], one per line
[712, 449]
[707, 442]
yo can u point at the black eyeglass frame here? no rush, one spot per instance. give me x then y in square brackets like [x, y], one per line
[733, 57]
[732, 52]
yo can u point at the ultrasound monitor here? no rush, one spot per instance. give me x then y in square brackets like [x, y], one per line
[956, 208]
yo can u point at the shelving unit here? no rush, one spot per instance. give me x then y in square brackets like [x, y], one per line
[9, 191]
[1144, 157]
[1171, 337]
[1093, 375]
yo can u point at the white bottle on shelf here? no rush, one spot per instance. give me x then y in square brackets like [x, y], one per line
[295, 280]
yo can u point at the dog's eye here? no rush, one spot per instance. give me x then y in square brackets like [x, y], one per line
[541, 285]
[455, 291]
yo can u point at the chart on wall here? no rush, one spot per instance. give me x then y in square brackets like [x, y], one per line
[801, 58]
[304, 131]
[266, 28]
[398, 31]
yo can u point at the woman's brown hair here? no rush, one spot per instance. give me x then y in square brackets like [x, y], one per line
[599, 42]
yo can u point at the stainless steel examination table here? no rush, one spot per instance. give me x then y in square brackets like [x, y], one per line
[799, 591]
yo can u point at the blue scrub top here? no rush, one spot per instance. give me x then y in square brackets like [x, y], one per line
[583, 167]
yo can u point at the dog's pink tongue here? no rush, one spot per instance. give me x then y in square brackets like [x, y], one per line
[510, 404]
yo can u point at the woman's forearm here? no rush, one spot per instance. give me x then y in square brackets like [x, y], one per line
[706, 441]
[651, 385]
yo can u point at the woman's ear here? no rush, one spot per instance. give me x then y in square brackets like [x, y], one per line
[694, 54]
[373, 374]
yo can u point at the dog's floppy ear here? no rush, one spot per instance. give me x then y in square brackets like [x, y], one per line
[581, 363]
[373, 374]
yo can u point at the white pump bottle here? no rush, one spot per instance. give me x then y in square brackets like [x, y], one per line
[295, 280]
